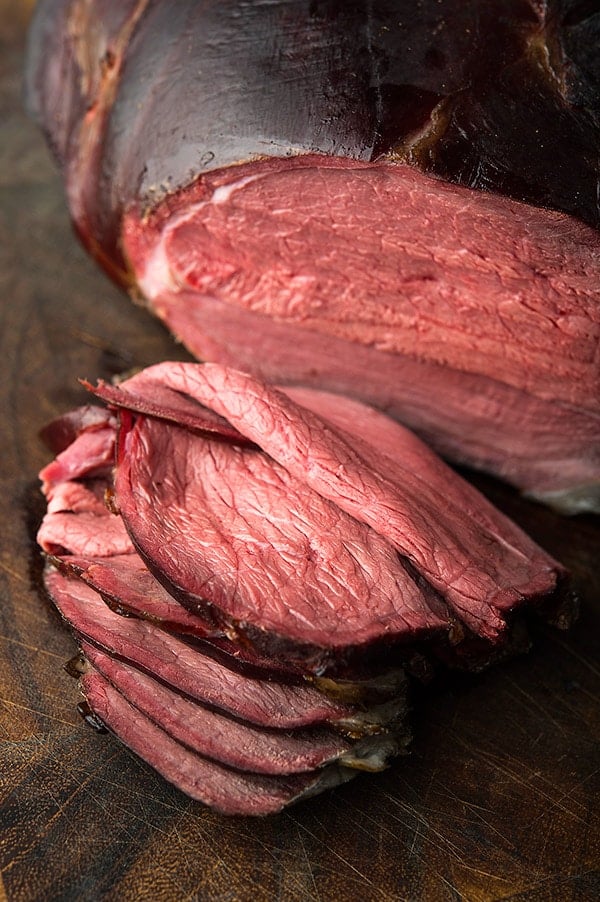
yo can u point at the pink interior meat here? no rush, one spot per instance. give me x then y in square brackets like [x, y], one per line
[480, 299]
[325, 483]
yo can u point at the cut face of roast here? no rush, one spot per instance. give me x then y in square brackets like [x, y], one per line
[383, 256]
[440, 292]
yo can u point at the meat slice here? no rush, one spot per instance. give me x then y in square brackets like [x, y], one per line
[228, 791]
[489, 286]
[84, 442]
[262, 702]
[284, 566]
[91, 454]
[479, 561]
[232, 742]
[304, 533]
[163, 403]
[61, 432]
[127, 586]
[78, 522]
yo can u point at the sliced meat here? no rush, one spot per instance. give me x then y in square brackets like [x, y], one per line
[231, 742]
[78, 522]
[163, 403]
[262, 702]
[227, 790]
[90, 454]
[61, 432]
[229, 527]
[480, 562]
[489, 286]
[87, 496]
[127, 586]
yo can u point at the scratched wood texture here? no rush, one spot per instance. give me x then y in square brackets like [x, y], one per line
[498, 799]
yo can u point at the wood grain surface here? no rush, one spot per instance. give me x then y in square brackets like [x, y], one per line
[498, 799]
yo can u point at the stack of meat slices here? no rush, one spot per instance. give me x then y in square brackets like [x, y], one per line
[249, 572]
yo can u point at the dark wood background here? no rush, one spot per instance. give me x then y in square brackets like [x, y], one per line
[498, 799]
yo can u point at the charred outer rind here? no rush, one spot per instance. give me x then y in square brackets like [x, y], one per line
[140, 98]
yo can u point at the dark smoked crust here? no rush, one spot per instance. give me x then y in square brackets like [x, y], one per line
[494, 95]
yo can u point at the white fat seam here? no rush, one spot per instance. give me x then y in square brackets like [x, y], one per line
[157, 277]
[224, 192]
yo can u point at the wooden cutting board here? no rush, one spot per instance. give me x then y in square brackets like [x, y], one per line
[498, 798]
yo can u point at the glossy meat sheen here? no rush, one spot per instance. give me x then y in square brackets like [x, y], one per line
[227, 790]
[261, 702]
[479, 561]
[220, 738]
[488, 304]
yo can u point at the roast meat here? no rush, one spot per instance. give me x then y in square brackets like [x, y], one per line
[251, 170]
